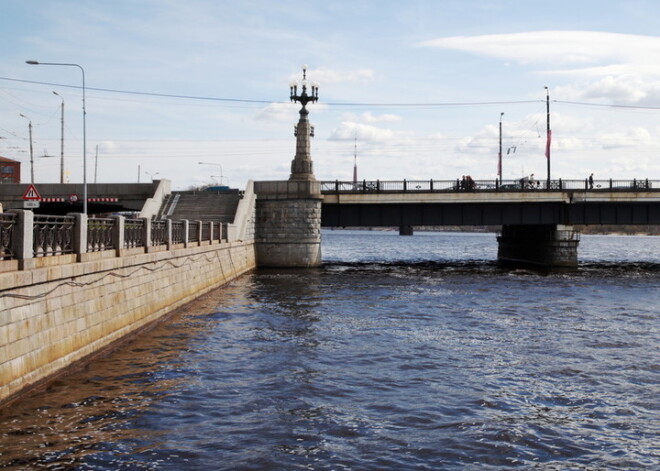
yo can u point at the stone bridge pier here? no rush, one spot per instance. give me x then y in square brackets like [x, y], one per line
[549, 245]
[288, 224]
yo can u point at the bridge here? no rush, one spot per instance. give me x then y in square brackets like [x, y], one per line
[410, 203]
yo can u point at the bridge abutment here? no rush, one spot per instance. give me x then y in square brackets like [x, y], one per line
[288, 224]
[549, 245]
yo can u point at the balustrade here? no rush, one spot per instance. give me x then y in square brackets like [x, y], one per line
[158, 232]
[178, 232]
[7, 224]
[53, 235]
[133, 233]
[100, 234]
[60, 235]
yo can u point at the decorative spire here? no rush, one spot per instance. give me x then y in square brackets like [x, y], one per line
[301, 166]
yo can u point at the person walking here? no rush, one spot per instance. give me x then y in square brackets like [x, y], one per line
[591, 181]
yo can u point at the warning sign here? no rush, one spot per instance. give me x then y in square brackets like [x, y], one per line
[31, 193]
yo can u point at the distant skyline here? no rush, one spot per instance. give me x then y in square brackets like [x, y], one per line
[420, 84]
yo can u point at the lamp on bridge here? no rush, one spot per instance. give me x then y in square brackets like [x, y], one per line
[301, 166]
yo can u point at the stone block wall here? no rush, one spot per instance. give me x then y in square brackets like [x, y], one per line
[57, 314]
[288, 223]
[288, 233]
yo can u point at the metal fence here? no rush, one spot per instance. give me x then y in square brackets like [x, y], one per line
[53, 235]
[100, 234]
[467, 185]
[133, 233]
[158, 232]
[178, 232]
[7, 225]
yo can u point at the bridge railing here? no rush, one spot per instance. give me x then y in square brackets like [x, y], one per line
[467, 184]
[24, 235]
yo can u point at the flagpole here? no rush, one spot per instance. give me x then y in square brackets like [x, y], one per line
[548, 134]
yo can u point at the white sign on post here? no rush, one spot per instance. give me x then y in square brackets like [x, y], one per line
[30, 204]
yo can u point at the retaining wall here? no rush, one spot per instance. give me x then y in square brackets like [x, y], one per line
[59, 312]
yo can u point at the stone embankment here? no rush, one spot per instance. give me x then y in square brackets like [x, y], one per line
[72, 287]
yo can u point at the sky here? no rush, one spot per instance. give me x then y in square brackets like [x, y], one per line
[412, 89]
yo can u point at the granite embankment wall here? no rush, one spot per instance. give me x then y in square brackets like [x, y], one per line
[54, 316]
[58, 311]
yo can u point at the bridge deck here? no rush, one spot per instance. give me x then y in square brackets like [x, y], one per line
[432, 203]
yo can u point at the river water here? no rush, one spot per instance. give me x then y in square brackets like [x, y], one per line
[400, 353]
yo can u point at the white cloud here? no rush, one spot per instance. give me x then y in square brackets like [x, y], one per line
[280, 112]
[383, 118]
[561, 48]
[620, 68]
[348, 130]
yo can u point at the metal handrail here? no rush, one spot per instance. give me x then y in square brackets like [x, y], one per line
[463, 185]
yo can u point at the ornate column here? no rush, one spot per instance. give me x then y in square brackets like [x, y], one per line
[288, 222]
[301, 166]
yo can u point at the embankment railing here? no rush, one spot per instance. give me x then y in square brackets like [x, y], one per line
[24, 235]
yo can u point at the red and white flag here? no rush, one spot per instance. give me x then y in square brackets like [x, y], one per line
[547, 144]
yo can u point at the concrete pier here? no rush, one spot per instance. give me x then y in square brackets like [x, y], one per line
[549, 246]
[288, 224]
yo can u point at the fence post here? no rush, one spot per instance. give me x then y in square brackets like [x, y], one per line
[405, 185]
[168, 233]
[186, 228]
[118, 235]
[146, 233]
[79, 234]
[24, 234]
[431, 184]
[200, 228]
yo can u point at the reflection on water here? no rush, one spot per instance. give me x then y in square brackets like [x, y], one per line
[400, 353]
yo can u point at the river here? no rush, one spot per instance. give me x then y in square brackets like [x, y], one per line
[400, 353]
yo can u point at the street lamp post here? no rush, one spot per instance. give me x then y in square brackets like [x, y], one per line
[84, 124]
[152, 175]
[217, 165]
[61, 139]
[31, 154]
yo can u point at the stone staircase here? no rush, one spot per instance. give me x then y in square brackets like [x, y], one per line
[219, 206]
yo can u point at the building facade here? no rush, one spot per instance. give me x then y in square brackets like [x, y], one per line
[10, 170]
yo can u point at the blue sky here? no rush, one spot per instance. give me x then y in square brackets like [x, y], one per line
[421, 84]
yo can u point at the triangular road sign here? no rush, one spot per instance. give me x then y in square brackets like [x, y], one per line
[31, 193]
